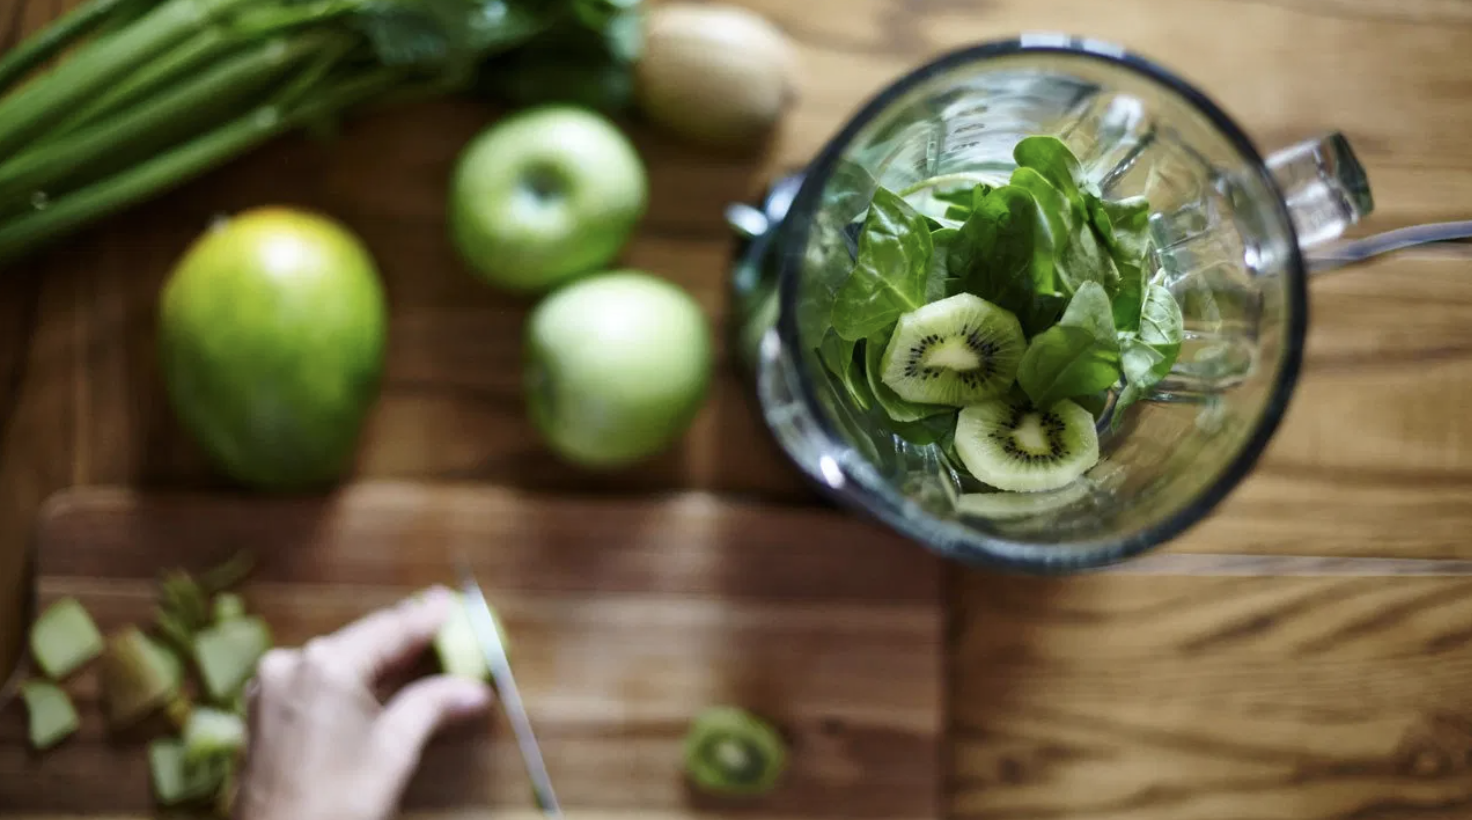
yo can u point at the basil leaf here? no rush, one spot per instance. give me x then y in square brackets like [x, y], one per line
[895, 407]
[1051, 158]
[1090, 309]
[838, 356]
[1148, 358]
[1066, 361]
[1003, 250]
[889, 277]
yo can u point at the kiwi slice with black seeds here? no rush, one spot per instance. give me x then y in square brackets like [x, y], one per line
[730, 751]
[956, 351]
[1012, 445]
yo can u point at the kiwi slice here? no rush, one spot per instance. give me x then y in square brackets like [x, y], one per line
[1012, 445]
[1004, 506]
[957, 351]
[730, 751]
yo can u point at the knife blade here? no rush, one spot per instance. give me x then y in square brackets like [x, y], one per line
[489, 637]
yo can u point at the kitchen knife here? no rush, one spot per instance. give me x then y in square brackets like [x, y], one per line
[489, 638]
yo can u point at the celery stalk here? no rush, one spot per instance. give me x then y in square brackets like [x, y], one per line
[41, 103]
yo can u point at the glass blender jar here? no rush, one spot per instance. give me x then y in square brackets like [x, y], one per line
[1230, 232]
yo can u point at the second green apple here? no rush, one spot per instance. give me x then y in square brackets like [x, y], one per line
[545, 195]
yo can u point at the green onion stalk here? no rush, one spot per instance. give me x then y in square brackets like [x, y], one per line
[120, 100]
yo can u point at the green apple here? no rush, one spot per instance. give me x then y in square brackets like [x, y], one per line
[618, 364]
[544, 195]
[272, 332]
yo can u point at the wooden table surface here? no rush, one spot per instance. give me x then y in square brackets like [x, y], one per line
[1374, 459]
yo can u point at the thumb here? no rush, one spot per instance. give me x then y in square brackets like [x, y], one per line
[418, 711]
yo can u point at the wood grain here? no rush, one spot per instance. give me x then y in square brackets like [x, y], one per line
[1374, 458]
[1122, 697]
[618, 640]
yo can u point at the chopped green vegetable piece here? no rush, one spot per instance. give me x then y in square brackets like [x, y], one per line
[228, 574]
[179, 709]
[226, 655]
[228, 607]
[53, 718]
[457, 646]
[730, 751]
[179, 635]
[183, 597]
[138, 676]
[64, 638]
[212, 733]
[175, 781]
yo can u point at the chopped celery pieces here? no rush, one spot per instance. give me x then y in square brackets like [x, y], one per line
[457, 646]
[212, 733]
[228, 607]
[53, 717]
[228, 574]
[175, 781]
[64, 638]
[138, 676]
[226, 655]
[182, 598]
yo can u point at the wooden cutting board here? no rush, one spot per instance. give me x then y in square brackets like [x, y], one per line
[626, 618]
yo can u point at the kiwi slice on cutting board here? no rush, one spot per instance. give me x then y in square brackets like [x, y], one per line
[956, 351]
[730, 751]
[1012, 445]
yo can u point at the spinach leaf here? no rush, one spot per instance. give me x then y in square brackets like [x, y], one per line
[1129, 221]
[889, 277]
[1056, 212]
[1043, 314]
[1161, 323]
[1148, 357]
[1066, 361]
[838, 356]
[1094, 403]
[964, 197]
[932, 430]
[1003, 250]
[1083, 259]
[848, 193]
[895, 407]
[957, 213]
[1090, 309]
[939, 283]
[1123, 226]
[1052, 159]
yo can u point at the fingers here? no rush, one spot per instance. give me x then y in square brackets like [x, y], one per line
[368, 646]
[418, 711]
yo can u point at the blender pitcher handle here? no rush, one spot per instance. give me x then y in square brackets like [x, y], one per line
[1324, 186]
[1326, 190]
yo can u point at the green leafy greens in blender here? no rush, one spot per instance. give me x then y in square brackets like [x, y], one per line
[1001, 339]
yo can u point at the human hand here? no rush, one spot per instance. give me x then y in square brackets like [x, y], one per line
[321, 745]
